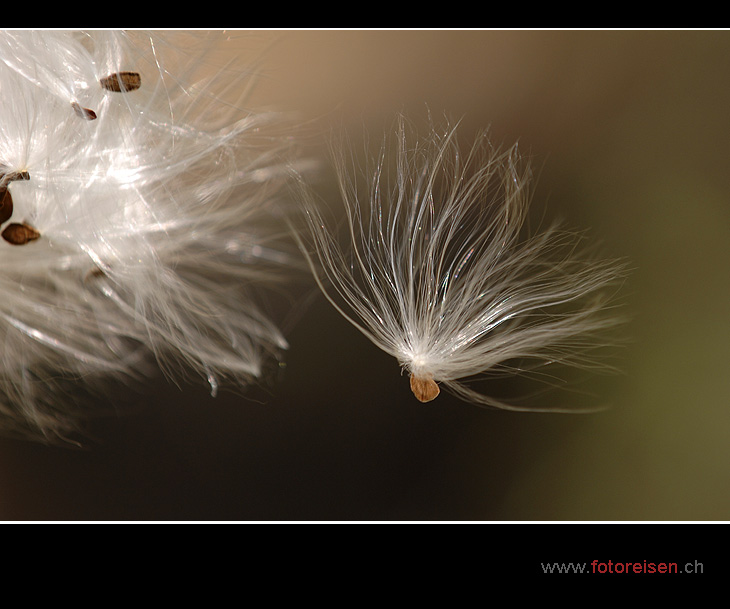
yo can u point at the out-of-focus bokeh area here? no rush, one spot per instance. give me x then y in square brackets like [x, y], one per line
[629, 134]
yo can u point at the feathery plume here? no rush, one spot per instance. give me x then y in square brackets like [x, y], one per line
[438, 271]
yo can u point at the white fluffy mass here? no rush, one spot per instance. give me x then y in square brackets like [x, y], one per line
[436, 268]
[143, 212]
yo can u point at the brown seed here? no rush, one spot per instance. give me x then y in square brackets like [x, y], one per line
[20, 234]
[121, 82]
[94, 273]
[85, 113]
[6, 205]
[12, 176]
[424, 388]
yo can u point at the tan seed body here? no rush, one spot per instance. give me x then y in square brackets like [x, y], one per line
[424, 388]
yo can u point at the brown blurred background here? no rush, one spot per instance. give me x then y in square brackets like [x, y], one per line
[629, 133]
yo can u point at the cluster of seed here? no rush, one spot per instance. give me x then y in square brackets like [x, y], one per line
[119, 82]
[20, 233]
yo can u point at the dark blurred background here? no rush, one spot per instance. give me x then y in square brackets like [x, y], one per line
[628, 132]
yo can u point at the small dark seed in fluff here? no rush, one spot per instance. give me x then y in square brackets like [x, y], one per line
[121, 82]
[6, 205]
[20, 234]
[85, 113]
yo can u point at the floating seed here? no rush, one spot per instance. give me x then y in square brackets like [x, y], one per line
[20, 234]
[6, 205]
[424, 388]
[85, 113]
[121, 82]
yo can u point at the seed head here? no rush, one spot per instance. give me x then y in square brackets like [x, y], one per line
[132, 229]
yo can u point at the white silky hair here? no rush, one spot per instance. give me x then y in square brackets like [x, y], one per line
[154, 218]
[435, 268]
